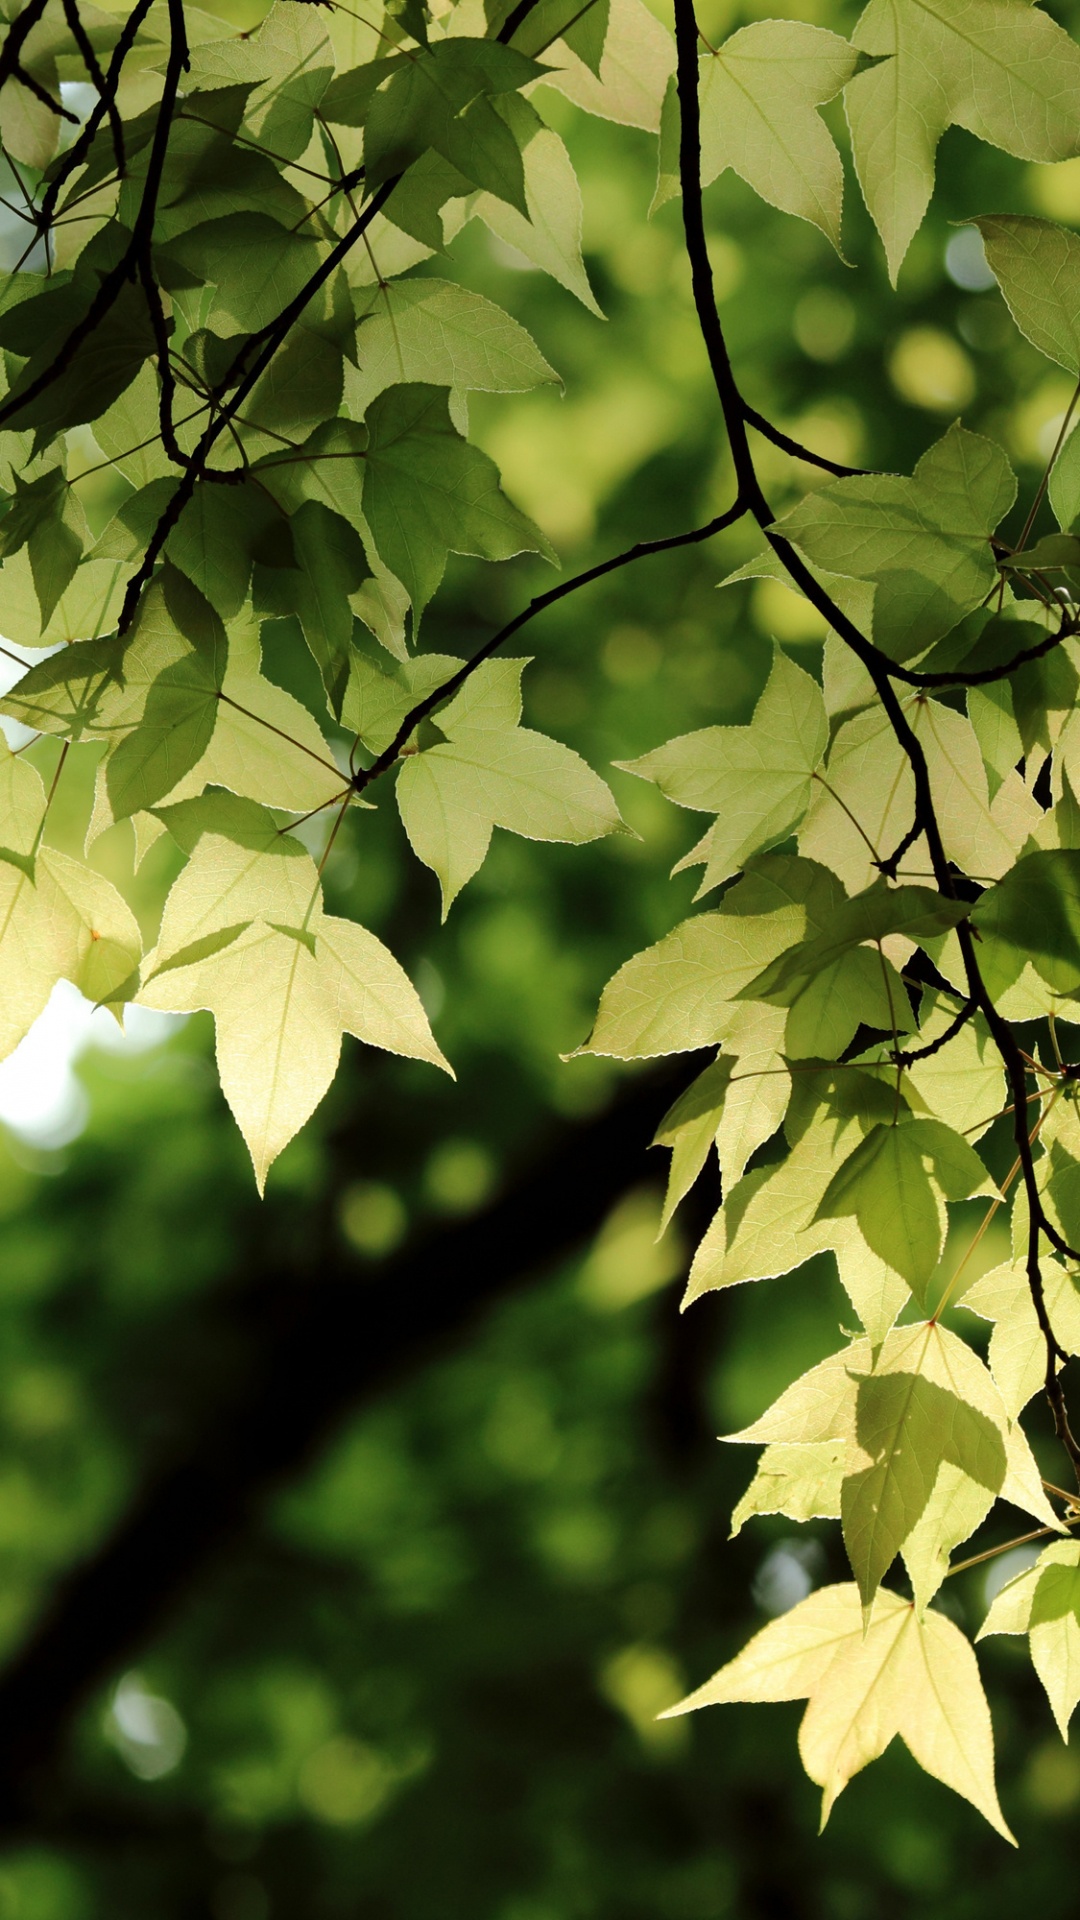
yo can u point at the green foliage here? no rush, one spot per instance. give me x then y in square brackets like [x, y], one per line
[226, 308]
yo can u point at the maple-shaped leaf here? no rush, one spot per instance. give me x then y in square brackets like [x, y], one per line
[768, 1226]
[1000, 68]
[428, 493]
[1017, 1352]
[244, 934]
[1033, 913]
[682, 992]
[489, 771]
[802, 1482]
[981, 835]
[927, 1449]
[1044, 1603]
[265, 745]
[937, 1449]
[863, 804]
[759, 94]
[886, 1183]
[916, 1678]
[431, 330]
[923, 542]
[152, 697]
[755, 778]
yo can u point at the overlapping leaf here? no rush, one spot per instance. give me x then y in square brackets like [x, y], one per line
[923, 542]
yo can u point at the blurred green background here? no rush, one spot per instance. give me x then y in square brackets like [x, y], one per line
[423, 1683]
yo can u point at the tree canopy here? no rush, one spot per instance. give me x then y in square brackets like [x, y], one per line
[240, 488]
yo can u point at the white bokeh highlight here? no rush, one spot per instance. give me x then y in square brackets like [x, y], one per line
[42, 1100]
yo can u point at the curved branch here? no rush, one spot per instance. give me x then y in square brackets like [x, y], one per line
[795, 447]
[80, 148]
[278, 331]
[981, 676]
[908, 1059]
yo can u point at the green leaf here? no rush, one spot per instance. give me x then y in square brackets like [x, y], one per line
[551, 235]
[964, 1084]
[1033, 913]
[291, 60]
[430, 330]
[933, 1432]
[768, 1226]
[583, 28]
[681, 993]
[331, 565]
[232, 818]
[1017, 1353]
[801, 1482]
[179, 711]
[1049, 555]
[761, 1087]
[759, 93]
[491, 772]
[882, 910]
[1000, 68]
[220, 534]
[924, 542]
[756, 778]
[265, 745]
[979, 837]
[1037, 266]
[1064, 488]
[427, 493]
[638, 59]
[70, 692]
[864, 803]
[689, 1128]
[45, 517]
[886, 1184]
[279, 1010]
[1044, 1602]
[300, 389]
[255, 265]
[96, 375]
[868, 1682]
[62, 922]
[443, 99]
[381, 692]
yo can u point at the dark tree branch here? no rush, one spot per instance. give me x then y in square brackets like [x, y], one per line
[515, 20]
[322, 1338]
[41, 93]
[795, 447]
[79, 150]
[890, 865]
[17, 33]
[961, 1019]
[981, 676]
[106, 87]
[272, 337]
